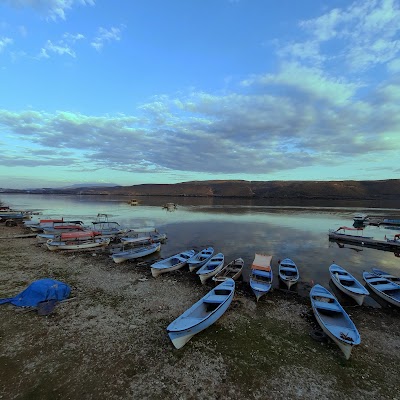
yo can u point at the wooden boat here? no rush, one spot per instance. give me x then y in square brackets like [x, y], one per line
[261, 275]
[386, 275]
[232, 270]
[383, 287]
[211, 267]
[199, 259]
[171, 263]
[288, 272]
[74, 244]
[346, 282]
[202, 314]
[136, 252]
[334, 320]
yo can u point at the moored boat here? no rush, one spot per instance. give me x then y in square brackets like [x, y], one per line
[383, 287]
[334, 320]
[136, 252]
[202, 314]
[288, 272]
[172, 263]
[200, 258]
[261, 275]
[211, 267]
[140, 239]
[346, 282]
[232, 270]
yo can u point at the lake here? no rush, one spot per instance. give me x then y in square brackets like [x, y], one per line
[239, 228]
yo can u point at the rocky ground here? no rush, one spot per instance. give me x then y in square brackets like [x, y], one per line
[109, 340]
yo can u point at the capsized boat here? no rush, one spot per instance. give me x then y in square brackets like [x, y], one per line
[288, 272]
[171, 263]
[200, 258]
[211, 267]
[346, 282]
[232, 270]
[261, 275]
[386, 275]
[72, 236]
[65, 226]
[136, 252]
[334, 320]
[384, 288]
[202, 314]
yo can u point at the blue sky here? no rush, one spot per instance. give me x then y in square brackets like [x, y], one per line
[165, 91]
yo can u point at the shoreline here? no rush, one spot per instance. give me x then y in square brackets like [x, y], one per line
[110, 340]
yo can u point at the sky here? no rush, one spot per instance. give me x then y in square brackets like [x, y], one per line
[128, 92]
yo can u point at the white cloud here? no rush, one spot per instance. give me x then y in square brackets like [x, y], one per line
[4, 42]
[58, 49]
[106, 36]
[52, 9]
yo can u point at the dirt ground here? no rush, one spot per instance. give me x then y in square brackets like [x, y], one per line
[109, 341]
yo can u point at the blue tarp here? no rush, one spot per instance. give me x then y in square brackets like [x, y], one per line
[40, 290]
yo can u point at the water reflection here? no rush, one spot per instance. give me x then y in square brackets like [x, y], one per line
[299, 232]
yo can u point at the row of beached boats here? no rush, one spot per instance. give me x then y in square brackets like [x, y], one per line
[331, 316]
[329, 313]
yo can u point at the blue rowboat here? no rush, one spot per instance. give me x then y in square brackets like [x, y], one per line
[211, 267]
[288, 272]
[171, 263]
[135, 253]
[334, 320]
[202, 314]
[386, 275]
[346, 282]
[261, 275]
[199, 259]
[383, 287]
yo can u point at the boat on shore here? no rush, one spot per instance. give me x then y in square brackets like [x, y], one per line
[288, 272]
[233, 270]
[334, 320]
[201, 314]
[211, 267]
[346, 283]
[384, 288]
[141, 239]
[199, 259]
[261, 275]
[136, 252]
[386, 275]
[172, 263]
[75, 244]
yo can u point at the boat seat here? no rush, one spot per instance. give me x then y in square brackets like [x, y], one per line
[327, 306]
[385, 286]
[215, 298]
[345, 278]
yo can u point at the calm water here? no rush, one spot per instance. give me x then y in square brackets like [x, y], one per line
[239, 228]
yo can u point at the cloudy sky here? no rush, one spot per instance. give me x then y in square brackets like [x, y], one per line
[165, 91]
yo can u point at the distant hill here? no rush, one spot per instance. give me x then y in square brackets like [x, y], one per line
[344, 190]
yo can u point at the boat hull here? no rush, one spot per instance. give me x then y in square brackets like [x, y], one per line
[181, 333]
[355, 289]
[131, 255]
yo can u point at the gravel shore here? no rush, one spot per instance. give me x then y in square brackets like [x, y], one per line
[109, 340]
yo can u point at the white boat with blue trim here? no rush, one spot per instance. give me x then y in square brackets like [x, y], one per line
[334, 320]
[172, 263]
[383, 287]
[261, 275]
[288, 272]
[211, 267]
[199, 259]
[346, 282]
[136, 252]
[202, 314]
